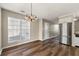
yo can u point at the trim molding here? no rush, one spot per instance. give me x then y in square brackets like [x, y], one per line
[64, 44]
[18, 44]
[50, 38]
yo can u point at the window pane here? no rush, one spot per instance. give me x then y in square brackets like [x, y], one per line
[18, 29]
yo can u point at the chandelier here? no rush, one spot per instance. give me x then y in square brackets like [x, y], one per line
[31, 17]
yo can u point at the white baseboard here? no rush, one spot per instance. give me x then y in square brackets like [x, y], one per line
[18, 44]
[49, 38]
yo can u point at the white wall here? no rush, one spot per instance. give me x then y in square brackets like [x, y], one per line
[36, 27]
[41, 29]
[76, 26]
[52, 31]
[34, 30]
[64, 20]
[46, 30]
[0, 29]
[37, 30]
[5, 15]
[70, 18]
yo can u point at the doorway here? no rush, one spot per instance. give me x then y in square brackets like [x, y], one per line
[65, 36]
[69, 34]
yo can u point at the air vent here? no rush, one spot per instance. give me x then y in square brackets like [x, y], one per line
[22, 11]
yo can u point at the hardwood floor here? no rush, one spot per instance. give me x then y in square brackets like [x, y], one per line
[50, 47]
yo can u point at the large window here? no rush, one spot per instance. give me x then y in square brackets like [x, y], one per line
[18, 30]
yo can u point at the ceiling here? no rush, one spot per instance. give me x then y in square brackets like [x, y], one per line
[48, 11]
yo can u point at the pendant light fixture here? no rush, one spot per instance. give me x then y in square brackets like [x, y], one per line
[31, 17]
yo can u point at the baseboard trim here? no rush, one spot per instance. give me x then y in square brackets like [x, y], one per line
[50, 38]
[19, 44]
[64, 44]
[26, 42]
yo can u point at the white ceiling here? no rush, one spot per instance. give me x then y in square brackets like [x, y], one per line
[48, 11]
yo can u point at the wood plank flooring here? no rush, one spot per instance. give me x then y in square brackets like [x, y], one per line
[50, 47]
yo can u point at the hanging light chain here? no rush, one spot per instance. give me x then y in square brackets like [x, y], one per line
[31, 17]
[31, 9]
